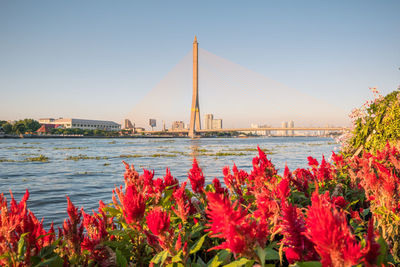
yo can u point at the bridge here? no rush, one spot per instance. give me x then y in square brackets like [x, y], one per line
[195, 125]
[277, 129]
[235, 94]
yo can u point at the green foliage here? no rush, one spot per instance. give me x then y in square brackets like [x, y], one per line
[380, 125]
[20, 127]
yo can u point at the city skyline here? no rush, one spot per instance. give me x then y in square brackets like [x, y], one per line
[99, 61]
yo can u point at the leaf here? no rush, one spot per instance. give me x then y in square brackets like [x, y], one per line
[271, 254]
[55, 261]
[240, 262]
[175, 264]
[365, 212]
[177, 257]
[167, 197]
[197, 246]
[112, 211]
[307, 264]
[121, 260]
[201, 262]
[196, 230]
[21, 244]
[160, 257]
[382, 258]
[220, 258]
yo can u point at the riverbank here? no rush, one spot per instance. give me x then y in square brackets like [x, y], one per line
[146, 136]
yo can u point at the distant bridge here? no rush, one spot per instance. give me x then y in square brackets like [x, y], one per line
[330, 129]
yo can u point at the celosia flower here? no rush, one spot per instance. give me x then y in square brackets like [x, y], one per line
[339, 201]
[95, 226]
[72, 230]
[134, 205]
[283, 189]
[329, 231]
[196, 178]
[169, 180]
[297, 246]
[371, 250]
[131, 176]
[312, 162]
[15, 221]
[262, 167]
[226, 221]
[158, 221]
[338, 159]
[218, 188]
[324, 171]
[182, 203]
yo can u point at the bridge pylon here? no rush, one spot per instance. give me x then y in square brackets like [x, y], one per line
[195, 124]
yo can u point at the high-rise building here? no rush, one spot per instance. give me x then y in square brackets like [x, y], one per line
[291, 125]
[208, 118]
[211, 123]
[128, 124]
[178, 126]
[217, 124]
[284, 126]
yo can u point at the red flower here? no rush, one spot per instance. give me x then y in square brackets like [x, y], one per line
[371, 249]
[158, 221]
[297, 246]
[226, 222]
[72, 230]
[134, 205]
[262, 167]
[283, 189]
[218, 188]
[339, 201]
[182, 209]
[312, 162]
[324, 170]
[338, 159]
[196, 178]
[329, 231]
[169, 180]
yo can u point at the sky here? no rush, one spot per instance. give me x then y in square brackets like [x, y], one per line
[99, 59]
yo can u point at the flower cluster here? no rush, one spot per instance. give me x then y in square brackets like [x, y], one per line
[341, 213]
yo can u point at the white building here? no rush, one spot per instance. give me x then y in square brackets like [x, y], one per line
[208, 118]
[211, 123]
[284, 126]
[262, 132]
[178, 126]
[217, 124]
[291, 125]
[83, 124]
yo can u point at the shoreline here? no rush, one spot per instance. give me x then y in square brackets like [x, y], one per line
[143, 136]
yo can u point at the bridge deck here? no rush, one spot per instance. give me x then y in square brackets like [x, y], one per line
[336, 129]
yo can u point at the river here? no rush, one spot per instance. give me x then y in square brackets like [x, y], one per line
[88, 169]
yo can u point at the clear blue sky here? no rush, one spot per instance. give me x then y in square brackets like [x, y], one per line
[97, 59]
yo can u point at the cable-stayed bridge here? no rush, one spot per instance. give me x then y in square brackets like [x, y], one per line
[237, 95]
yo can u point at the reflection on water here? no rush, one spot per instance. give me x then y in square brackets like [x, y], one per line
[88, 169]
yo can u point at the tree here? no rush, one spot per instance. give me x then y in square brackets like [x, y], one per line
[19, 127]
[31, 125]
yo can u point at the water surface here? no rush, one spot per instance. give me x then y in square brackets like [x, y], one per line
[88, 169]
